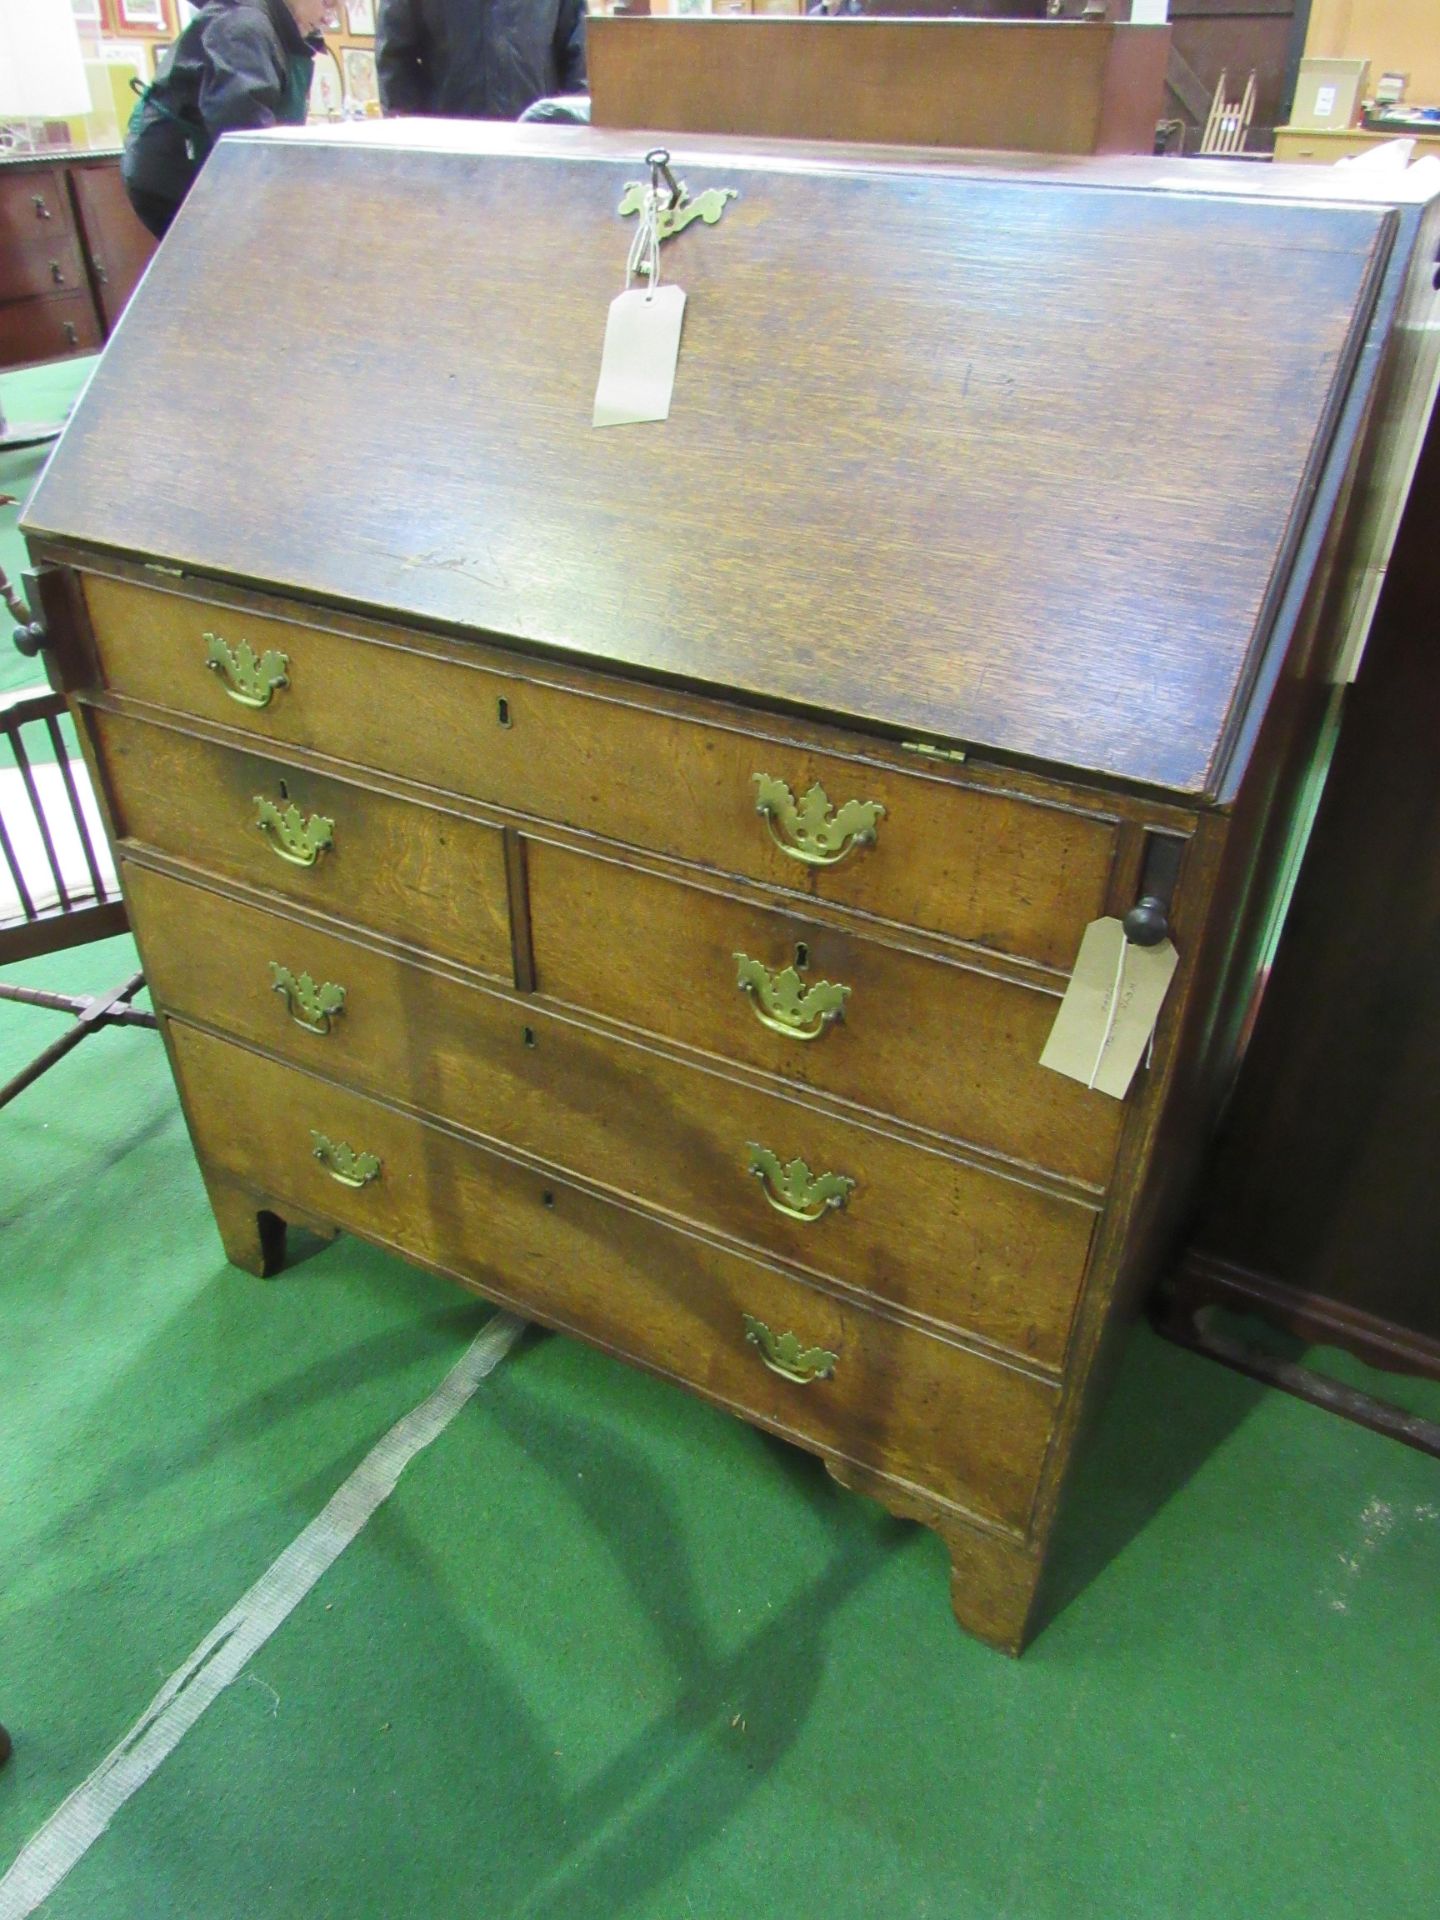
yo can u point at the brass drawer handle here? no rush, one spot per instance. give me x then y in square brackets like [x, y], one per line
[810, 829]
[291, 835]
[793, 1190]
[247, 677]
[343, 1163]
[785, 1004]
[783, 1354]
[310, 1006]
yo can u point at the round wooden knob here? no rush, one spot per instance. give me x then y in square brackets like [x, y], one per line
[29, 639]
[1147, 923]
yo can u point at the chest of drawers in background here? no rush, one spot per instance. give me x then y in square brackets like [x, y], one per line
[704, 1020]
[71, 252]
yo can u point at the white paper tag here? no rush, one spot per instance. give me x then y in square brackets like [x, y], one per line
[1110, 1009]
[637, 368]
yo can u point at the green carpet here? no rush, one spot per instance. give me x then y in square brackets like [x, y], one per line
[610, 1655]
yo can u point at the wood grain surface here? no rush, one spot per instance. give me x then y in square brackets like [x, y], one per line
[991, 1255]
[972, 1431]
[1054, 86]
[921, 468]
[949, 1047]
[1321, 1192]
[432, 878]
[951, 855]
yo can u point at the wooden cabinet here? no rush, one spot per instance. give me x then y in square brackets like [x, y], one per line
[1039, 86]
[71, 253]
[1320, 1209]
[1323, 146]
[635, 873]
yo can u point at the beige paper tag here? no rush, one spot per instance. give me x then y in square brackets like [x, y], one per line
[1110, 1009]
[637, 368]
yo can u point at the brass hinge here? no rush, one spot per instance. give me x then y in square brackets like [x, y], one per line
[933, 752]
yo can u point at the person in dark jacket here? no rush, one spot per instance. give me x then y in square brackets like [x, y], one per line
[239, 63]
[478, 59]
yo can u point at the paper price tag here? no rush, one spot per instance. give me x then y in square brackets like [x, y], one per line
[1110, 1009]
[637, 367]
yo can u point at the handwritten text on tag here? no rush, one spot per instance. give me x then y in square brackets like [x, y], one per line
[1110, 1009]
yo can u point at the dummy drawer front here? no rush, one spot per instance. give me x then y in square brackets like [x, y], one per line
[1013, 874]
[961, 1245]
[972, 1430]
[416, 873]
[943, 1045]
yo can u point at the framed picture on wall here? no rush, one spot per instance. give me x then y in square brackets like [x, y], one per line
[327, 94]
[360, 18]
[139, 16]
[362, 86]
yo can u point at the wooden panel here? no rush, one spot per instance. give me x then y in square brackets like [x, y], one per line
[120, 248]
[1236, 37]
[32, 330]
[33, 201]
[416, 873]
[949, 1047]
[1039, 87]
[972, 1431]
[952, 857]
[1133, 93]
[1322, 1189]
[933, 492]
[33, 269]
[943, 1239]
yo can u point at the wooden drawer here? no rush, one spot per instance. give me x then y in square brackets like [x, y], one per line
[1003, 871]
[965, 1247]
[32, 330]
[417, 873]
[972, 1431]
[32, 269]
[33, 201]
[944, 1045]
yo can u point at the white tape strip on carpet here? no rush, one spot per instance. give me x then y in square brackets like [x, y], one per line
[80, 1820]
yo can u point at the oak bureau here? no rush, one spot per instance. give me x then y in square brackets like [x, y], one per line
[636, 871]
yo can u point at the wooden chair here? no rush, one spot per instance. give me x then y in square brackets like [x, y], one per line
[1228, 125]
[57, 880]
